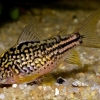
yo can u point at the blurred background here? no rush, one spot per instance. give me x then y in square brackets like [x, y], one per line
[13, 9]
[53, 15]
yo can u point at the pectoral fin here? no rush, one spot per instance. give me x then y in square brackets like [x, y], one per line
[73, 57]
[26, 79]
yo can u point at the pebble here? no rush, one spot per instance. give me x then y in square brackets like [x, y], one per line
[22, 86]
[71, 95]
[14, 85]
[60, 80]
[40, 87]
[92, 93]
[79, 83]
[2, 96]
[56, 92]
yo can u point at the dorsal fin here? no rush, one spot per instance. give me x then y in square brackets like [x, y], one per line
[62, 32]
[30, 32]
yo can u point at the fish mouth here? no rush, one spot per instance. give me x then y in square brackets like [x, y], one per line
[10, 80]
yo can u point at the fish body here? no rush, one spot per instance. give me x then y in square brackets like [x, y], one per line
[36, 58]
[32, 57]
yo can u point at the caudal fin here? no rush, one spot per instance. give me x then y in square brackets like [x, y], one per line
[88, 30]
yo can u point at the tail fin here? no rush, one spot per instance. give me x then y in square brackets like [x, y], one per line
[88, 30]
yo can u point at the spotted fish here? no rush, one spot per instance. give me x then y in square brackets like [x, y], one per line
[31, 57]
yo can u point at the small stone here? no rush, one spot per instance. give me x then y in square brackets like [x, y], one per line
[93, 93]
[14, 85]
[60, 80]
[75, 19]
[2, 96]
[71, 95]
[40, 87]
[56, 91]
[22, 86]
[99, 91]
[78, 83]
